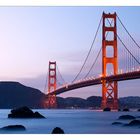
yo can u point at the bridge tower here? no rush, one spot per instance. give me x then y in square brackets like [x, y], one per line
[51, 99]
[109, 88]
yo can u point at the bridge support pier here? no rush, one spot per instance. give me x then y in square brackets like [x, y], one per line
[109, 88]
[109, 95]
[51, 98]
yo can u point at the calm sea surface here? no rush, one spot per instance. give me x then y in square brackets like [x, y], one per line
[72, 122]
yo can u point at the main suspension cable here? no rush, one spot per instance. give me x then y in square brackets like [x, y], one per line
[89, 51]
[125, 46]
[60, 74]
[128, 32]
[96, 56]
[93, 63]
[46, 82]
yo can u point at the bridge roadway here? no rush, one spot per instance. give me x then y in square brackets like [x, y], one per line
[97, 81]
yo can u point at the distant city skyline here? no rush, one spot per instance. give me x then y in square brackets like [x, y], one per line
[30, 37]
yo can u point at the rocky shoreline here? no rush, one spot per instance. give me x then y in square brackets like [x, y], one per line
[26, 113]
[133, 121]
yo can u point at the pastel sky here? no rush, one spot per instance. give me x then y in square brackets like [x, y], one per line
[31, 36]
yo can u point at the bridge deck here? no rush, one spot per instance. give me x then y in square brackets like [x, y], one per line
[97, 81]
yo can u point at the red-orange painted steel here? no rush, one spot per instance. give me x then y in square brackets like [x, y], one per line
[51, 98]
[109, 88]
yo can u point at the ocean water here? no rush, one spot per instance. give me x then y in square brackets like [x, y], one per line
[72, 122]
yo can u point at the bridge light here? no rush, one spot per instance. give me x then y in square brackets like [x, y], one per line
[92, 77]
[100, 75]
[66, 86]
[121, 71]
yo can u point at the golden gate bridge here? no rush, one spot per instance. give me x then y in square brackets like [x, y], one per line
[124, 60]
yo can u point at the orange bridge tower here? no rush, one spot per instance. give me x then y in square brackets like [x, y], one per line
[51, 98]
[109, 88]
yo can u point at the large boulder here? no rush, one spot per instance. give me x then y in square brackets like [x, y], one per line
[24, 112]
[126, 117]
[126, 109]
[57, 130]
[134, 123]
[107, 109]
[119, 109]
[14, 128]
[116, 123]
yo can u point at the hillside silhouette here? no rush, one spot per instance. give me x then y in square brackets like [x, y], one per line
[14, 94]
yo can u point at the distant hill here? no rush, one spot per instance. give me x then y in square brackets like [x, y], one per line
[75, 102]
[95, 102]
[130, 102]
[14, 94]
